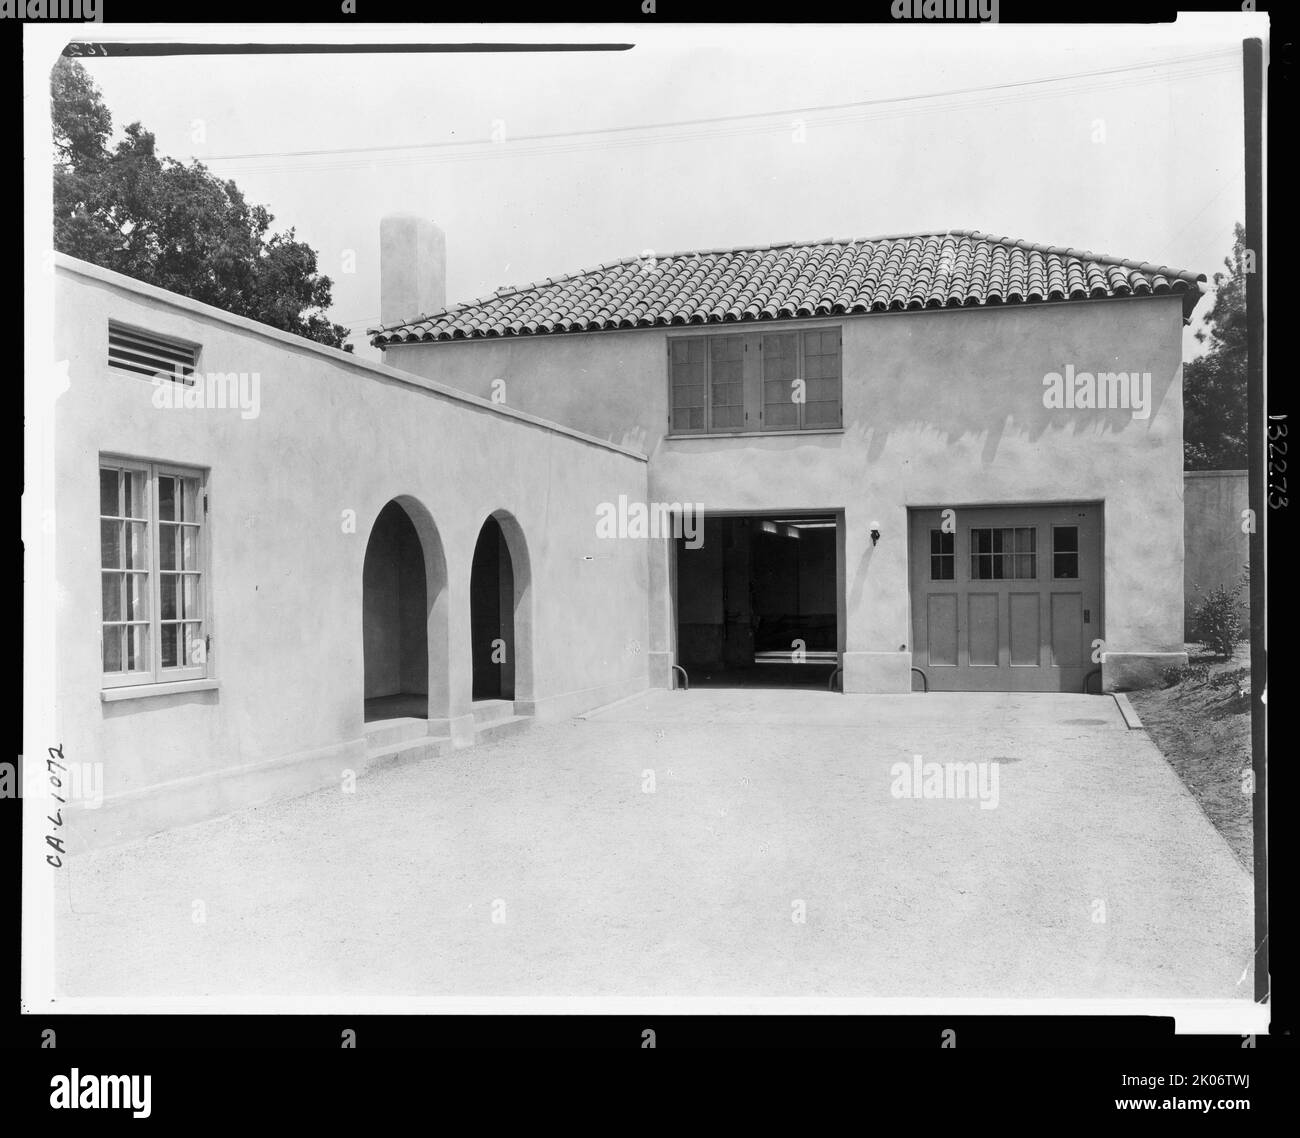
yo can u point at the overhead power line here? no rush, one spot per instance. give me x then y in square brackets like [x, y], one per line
[1217, 61]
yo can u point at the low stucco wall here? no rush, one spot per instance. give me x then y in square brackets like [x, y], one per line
[941, 408]
[294, 493]
[1216, 533]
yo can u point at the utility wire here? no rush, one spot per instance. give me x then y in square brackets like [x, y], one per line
[512, 145]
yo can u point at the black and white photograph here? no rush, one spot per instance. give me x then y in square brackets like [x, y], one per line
[578, 518]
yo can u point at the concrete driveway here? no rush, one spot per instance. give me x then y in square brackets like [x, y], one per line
[700, 843]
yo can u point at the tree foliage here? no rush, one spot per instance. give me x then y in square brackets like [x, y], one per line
[1214, 386]
[175, 226]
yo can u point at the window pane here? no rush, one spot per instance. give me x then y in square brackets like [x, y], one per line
[688, 350]
[1065, 566]
[167, 596]
[821, 414]
[171, 650]
[189, 547]
[726, 381]
[137, 596]
[779, 358]
[943, 562]
[166, 497]
[190, 510]
[108, 502]
[688, 361]
[112, 596]
[779, 413]
[821, 372]
[167, 541]
[194, 644]
[113, 648]
[110, 544]
[133, 494]
[137, 545]
[137, 647]
[1065, 539]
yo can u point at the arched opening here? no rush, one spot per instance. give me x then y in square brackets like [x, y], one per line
[492, 615]
[395, 618]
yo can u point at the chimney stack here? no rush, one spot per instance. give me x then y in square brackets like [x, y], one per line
[412, 268]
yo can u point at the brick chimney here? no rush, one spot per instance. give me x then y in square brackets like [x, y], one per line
[412, 268]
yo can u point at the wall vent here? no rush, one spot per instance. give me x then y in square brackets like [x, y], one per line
[146, 353]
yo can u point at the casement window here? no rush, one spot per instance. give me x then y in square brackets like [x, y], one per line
[754, 382]
[153, 568]
[148, 354]
[810, 357]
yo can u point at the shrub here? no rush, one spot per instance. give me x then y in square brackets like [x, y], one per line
[1220, 617]
[1193, 673]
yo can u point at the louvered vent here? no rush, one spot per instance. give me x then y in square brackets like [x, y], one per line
[147, 354]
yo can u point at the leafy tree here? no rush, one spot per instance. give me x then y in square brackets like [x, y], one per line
[1214, 386]
[175, 226]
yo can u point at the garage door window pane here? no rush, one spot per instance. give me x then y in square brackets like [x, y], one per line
[1065, 553]
[1007, 554]
[942, 556]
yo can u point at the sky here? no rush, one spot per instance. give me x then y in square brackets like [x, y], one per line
[1133, 148]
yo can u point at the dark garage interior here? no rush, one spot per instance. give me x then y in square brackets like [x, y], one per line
[756, 602]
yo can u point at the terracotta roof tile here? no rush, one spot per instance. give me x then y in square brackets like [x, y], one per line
[957, 269]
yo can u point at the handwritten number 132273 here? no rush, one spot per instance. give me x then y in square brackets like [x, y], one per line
[1277, 494]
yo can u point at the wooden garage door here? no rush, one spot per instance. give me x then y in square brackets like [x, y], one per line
[1006, 598]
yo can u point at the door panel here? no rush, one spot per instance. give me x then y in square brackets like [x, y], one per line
[982, 629]
[1006, 598]
[1026, 647]
[941, 636]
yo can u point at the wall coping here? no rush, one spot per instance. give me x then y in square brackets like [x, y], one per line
[120, 281]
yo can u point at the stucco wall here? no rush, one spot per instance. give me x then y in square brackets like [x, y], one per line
[941, 408]
[335, 439]
[1218, 548]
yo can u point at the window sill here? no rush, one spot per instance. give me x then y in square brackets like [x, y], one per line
[754, 434]
[147, 691]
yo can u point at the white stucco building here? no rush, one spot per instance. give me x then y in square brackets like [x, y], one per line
[278, 562]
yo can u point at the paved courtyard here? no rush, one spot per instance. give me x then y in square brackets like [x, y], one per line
[549, 863]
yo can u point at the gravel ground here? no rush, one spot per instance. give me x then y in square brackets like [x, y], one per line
[540, 865]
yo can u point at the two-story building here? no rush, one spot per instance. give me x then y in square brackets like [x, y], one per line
[946, 459]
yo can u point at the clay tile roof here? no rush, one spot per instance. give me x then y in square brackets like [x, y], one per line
[961, 268]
